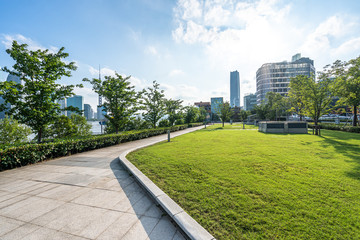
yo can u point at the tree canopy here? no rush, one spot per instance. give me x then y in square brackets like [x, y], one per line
[225, 112]
[120, 99]
[35, 102]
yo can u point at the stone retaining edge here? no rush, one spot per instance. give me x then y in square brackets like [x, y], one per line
[187, 224]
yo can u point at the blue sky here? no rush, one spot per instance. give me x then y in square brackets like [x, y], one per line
[188, 46]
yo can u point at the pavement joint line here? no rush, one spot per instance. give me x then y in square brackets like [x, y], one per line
[188, 226]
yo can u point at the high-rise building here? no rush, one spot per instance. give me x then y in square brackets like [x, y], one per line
[205, 105]
[88, 111]
[215, 104]
[249, 101]
[62, 106]
[275, 77]
[75, 101]
[9, 78]
[234, 89]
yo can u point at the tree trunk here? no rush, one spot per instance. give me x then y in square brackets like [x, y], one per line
[301, 117]
[39, 135]
[223, 123]
[316, 127]
[355, 116]
[243, 124]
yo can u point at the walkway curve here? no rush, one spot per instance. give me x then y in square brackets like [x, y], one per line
[185, 222]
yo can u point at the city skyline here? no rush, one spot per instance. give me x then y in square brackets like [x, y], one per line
[188, 46]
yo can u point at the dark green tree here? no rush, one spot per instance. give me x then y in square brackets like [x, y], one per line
[12, 132]
[120, 99]
[153, 104]
[34, 103]
[347, 83]
[296, 95]
[243, 116]
[173, 108]
[225, 112]
[191, 114]
[202, 115]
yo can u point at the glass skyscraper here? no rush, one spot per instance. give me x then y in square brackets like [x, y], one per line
[75, 101]
[9, 78]
[275, 77]
[234, 89]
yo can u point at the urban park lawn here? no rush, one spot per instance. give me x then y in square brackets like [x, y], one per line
[243, 184]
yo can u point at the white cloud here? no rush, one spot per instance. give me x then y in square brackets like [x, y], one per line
[104, 71]
[176, 72]
[32, 45]
[151, 50]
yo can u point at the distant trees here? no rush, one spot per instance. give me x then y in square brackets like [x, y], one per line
[173, 110]
[12, 132]
[65, 127]
[225, 112]
[34, 103]
[120, 99]
[274, 107]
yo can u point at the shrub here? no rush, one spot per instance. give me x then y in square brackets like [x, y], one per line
[338, 127]
[17, 156]
[12, 132]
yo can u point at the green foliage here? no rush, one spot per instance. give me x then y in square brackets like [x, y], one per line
[153, 103]
[164, 123]
[31, 153]
[202, 115]
[179, 121]
[237, 187]
[11, 132]
[338, 127]
[296, 95]
[65, 127]
[224, 111]
[120, 100]
[35, 102]
[347, 82]
[173, 110]
[191, 114]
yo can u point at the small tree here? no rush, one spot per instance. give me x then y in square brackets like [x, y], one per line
[296, 95]
[243, 116]
[34, 103]
[191, 114]
[347, 82]
[120, 99]
[202, 115]
[173, 107]
[317, 96]
[153, 103]
[12, 132]
[225, 112]
[83, 128]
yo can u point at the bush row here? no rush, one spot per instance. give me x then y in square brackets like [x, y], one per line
[338, 127]
[31, 153]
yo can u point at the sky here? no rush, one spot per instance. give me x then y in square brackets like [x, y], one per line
[188, 46]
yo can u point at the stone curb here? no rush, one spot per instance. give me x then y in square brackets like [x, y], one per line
[187, 224]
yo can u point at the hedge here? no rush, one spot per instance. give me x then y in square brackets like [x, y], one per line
[337, 127]
[18, 156]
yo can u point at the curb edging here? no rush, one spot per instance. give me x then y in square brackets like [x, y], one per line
[187, 224]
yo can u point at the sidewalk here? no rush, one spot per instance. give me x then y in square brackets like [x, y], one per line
[84, 196]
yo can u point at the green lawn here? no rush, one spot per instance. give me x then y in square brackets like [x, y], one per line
[251, 185]
[233, 126]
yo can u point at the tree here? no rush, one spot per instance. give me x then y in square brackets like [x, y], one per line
[191, 114]
[277, 106]
[243, 116]
[83, 128]
[12, 132]
[225, 112]
[296, 95]
[34, 103]
[347, 82]
[173, 108]
[153, 103]
[120, 99]
[317, 96]
[202, 115]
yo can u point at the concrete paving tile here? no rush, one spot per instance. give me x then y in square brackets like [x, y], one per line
[163, 230]
[8, 224]
[120, 174]
[30, 189]
[141, 229]
[178, 236]
[100, 198]
[46, 234]
[5, 195]
[20, 232]
[74, 179]
[64, 192]
[125, 182]
[11, 184]
[29, 208]
[133, 187]
[141, 206]
[12, 200]
[46, 187]
[154, 211]
[127, 202]
[120, 227]
[100, 224]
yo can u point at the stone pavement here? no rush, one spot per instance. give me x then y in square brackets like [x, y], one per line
[84, 196]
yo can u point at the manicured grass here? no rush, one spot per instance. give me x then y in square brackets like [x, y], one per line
[251, 185]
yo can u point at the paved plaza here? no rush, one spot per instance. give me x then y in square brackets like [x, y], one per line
[84, 196]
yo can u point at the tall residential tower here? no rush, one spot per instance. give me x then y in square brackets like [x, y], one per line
[234, 89]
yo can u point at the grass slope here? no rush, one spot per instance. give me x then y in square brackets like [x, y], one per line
[251, 185]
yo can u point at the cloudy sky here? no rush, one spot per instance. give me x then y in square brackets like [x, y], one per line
[188, 46]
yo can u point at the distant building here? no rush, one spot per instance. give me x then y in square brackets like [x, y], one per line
[215, 107]
[62, 106]
[275, 77]
[205, 105]
[75, 101]
[9, 78]
[249, 101]
[234, 89]
[88, 111]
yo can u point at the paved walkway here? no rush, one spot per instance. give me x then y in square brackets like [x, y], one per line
[84, 196]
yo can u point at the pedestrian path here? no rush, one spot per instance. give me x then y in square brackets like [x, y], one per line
[84, 196]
